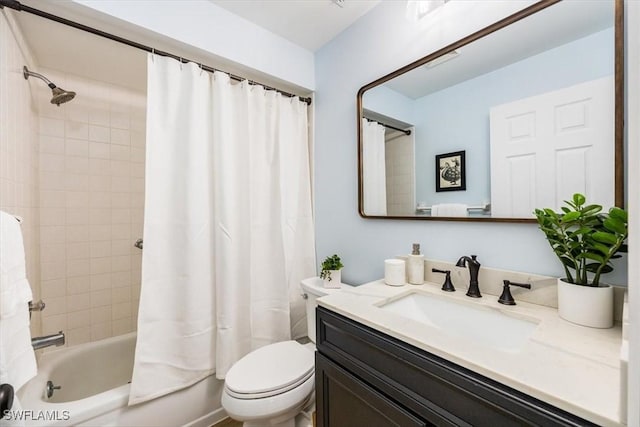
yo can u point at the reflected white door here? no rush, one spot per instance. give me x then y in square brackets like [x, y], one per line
[547, 147]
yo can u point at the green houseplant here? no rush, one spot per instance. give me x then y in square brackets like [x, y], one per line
[585, 240]
[330, 273]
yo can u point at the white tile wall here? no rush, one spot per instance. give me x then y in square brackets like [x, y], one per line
[92, 198]
[75, 173]
[400, 175]
[19, 151]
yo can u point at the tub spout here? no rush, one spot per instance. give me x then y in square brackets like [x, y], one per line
[47, 341]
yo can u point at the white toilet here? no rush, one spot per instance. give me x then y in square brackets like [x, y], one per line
[274, 385]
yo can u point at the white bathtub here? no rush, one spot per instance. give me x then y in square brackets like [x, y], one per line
[95, 391]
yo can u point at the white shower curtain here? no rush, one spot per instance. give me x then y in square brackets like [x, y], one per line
[373, 168]
[228, 225]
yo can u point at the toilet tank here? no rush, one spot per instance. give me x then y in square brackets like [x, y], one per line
[312, 289]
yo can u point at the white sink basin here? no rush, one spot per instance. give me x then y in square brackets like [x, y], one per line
[484, 325]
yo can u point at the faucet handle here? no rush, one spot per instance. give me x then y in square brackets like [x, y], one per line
[36, 306]
[506, 298]
[447, 285]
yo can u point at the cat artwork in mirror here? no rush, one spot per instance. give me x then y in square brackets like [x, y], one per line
[533, 102]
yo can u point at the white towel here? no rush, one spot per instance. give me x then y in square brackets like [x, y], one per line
[17, 358]
[15, 291]
[450, 209]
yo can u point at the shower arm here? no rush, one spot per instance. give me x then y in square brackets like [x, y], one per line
[60, 96]
[26, 73]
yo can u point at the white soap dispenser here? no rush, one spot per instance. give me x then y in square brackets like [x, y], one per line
[415, 266]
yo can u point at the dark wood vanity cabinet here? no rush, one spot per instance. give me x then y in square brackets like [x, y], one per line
[365, 378]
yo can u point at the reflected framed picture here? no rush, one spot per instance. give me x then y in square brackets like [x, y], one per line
[450, 172]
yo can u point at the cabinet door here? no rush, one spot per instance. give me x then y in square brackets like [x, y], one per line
[344, 400]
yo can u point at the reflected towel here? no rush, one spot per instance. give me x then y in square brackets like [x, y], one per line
[450, 209]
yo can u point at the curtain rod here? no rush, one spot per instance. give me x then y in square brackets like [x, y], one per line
[405, 131]
[16, 5]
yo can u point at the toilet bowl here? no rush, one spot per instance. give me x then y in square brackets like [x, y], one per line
[274, 385]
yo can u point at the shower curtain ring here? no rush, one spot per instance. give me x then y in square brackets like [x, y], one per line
[153, 55]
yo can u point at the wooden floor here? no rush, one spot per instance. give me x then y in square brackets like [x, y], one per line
[228, 423]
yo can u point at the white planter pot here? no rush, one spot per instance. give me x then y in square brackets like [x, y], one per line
[586, 305]
[333, 280]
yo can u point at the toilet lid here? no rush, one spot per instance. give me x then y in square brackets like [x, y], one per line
[270, 369]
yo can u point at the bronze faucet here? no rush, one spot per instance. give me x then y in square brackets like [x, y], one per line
[474, 267]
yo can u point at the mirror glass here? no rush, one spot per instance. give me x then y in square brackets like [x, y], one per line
[517, 116]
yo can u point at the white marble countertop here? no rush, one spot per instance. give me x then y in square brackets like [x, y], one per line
[571, 367]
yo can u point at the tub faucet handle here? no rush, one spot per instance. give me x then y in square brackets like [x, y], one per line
[36, 306]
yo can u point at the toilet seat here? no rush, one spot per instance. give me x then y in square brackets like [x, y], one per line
[271, 370]
[281, 406]
[251, 396]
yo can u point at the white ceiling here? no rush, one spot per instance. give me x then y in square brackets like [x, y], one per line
[77, 52]
[307, 23]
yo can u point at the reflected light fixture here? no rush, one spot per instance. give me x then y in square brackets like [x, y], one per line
[442, 59]
[418, 9]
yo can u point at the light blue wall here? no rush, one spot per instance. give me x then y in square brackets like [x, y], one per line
[365, 51]
[457, 118]
[393, 104]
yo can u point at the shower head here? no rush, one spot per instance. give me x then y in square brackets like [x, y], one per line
[60, 96]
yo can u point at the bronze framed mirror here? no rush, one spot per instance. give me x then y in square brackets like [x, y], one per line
[533, 101]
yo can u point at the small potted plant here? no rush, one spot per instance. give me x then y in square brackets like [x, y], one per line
[585, 240]
[330, 273]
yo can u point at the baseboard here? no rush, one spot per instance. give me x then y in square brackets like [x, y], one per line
[209, 419]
